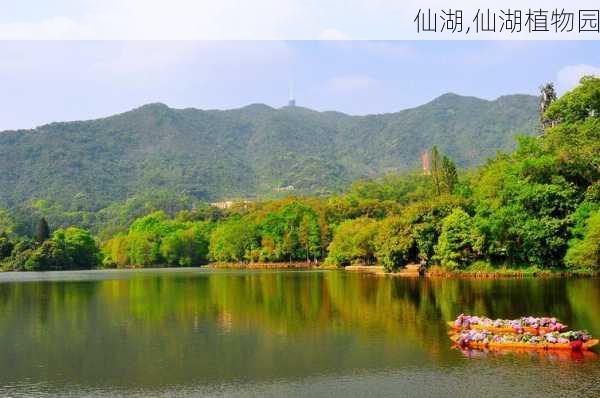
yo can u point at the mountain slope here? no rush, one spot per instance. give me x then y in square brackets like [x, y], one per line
[248, 151]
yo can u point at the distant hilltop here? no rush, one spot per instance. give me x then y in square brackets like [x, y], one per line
[245, 152]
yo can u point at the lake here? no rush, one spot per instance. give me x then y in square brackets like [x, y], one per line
[197, 332]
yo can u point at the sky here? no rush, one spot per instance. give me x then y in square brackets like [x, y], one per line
[239, 19]
[46, 81]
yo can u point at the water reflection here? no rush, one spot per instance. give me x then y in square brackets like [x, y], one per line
[197, 329]
[542, 355]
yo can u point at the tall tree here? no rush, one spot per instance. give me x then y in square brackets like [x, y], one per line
[43, 230]
[547, 96]
[304, 235]
[6, 246]
[435, 168]
[449, 174]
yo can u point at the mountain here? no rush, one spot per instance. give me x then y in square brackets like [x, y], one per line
[219, 154]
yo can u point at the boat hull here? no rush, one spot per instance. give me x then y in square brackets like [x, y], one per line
[522, 345]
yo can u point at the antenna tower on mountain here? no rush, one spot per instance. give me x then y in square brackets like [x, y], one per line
[292, 100]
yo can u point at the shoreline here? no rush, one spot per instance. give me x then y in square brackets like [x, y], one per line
[411, 270]
[292, 265]
[513, 275]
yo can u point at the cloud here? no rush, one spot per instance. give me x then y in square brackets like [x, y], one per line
[377, 48]
[348, 84]
[54, 28]
[45, 81]
[496, 52]
[389, 48]
[569, 76]
[154, 19]
[138, 56]
[333, 34]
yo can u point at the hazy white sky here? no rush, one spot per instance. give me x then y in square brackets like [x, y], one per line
[45, 81]
[65, 78]
[243, 19]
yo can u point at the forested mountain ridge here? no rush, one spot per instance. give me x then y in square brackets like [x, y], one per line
[219, 154]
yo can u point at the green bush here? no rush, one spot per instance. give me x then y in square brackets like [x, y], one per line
[460, 242]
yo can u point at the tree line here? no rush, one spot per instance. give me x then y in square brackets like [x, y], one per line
[64, 249]
[536, 207]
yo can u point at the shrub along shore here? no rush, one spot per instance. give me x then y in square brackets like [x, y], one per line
[535, 211]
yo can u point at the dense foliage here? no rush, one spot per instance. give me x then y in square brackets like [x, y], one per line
[584, 249]
[79, 168]
[354, 242]
[460, 241]
[70, 248]
[538, 206]
[157, 240]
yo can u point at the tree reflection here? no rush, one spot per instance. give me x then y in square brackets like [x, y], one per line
[174, 328]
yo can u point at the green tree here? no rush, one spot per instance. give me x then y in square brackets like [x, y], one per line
[7, 222]
[304, 235]
[42, 231]
[523, 203]
[22, 250]
[143, 249]
[290, 232]
[233, 240]
[584, 251]
[154, 224]
[547, 97]
[155, 239]
[460, 242]
[309, 235]
[425, 219]
[353, 241]
[185, 247]
[80, 247]
[436, 169]
[395, 243]
[50, 255]
[578, 104]
[116, 252]
[449, 175]
[6, 246]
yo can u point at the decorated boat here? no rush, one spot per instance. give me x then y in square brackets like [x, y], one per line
[485, 339]
[529, 324]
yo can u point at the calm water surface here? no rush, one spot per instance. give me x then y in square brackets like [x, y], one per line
[278, 333]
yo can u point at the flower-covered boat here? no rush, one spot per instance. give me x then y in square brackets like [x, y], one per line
[572, 340]
[526, 324]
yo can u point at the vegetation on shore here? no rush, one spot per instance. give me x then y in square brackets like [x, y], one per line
[534, 210]
[64, 249]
